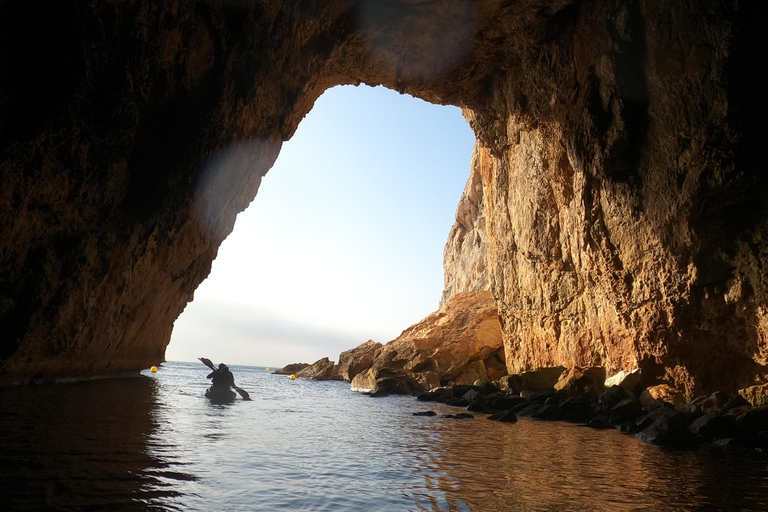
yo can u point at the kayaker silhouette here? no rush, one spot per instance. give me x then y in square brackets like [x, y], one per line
[221, 382]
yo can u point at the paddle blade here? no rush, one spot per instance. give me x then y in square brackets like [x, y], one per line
[207, 362]
[243, 393]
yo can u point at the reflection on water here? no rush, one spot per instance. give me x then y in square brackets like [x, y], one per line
[532, 465]
[80, 446]
[154, 443]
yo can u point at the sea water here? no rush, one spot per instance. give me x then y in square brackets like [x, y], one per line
[155, 443]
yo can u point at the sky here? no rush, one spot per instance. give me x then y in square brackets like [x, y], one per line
[344, 241]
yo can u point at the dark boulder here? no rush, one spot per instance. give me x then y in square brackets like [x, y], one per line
[627, 410]
[481, 405]
[472, 395]
[613, 395]
[462, 389]
[752, 426]
[459, 401]
[541, 412]
[425, 413]
[600, 422]
[670, 431]
[504, 417]
[577, 409]
[459, 416]
[436, 395]
[487, 387]
[507, 402]
[710, 426]
[538, 397]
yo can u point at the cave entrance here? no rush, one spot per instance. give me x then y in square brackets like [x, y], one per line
[344, 241]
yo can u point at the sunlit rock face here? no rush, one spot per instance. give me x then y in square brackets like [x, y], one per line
[465, 258]
[620, 144]
[461, 342]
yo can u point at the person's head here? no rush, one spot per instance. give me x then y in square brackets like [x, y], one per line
[222, 366]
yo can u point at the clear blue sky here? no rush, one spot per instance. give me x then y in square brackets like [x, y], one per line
[344, 241]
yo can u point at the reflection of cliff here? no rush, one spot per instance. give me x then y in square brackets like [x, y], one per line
[542, 466]
[78, 446]
[622, 180]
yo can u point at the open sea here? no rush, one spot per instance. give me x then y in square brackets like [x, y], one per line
[155, 443]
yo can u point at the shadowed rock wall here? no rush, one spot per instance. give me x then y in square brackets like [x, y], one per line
[622, 180]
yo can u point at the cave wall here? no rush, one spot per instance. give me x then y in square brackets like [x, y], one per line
[622, 178]
[627, 216]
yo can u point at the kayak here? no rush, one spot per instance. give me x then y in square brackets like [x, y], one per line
[220, 396]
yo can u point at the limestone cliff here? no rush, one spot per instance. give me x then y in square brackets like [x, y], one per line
[459, 343]
[623, 167]
[465, 257]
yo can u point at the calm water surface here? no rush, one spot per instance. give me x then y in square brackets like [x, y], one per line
[154, 443]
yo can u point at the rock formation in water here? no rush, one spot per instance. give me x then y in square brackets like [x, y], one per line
[620, 148]
[322, 369]
[458, 344]
[358, 359]
[291, 369]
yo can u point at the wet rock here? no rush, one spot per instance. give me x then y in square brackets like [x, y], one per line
[459, 416]
[670, 431]
[436, 395]
[425, 413]
[504, 417]
[540, 412]
[629, 427]
[600, 422]
[582, 381]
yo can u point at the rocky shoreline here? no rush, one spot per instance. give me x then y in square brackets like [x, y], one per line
[456, 356]
[657, 414]
[719, 419]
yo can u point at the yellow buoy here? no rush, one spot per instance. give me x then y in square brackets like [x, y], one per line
[293, 377]
[267, 368]
[153, 369]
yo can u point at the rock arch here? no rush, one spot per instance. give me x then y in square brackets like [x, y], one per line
[618, 146]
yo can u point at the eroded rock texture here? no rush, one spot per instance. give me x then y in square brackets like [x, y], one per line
[459, 343]
[465, 258]
[620, 150]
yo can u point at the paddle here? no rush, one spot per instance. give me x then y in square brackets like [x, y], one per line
[207, 362]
